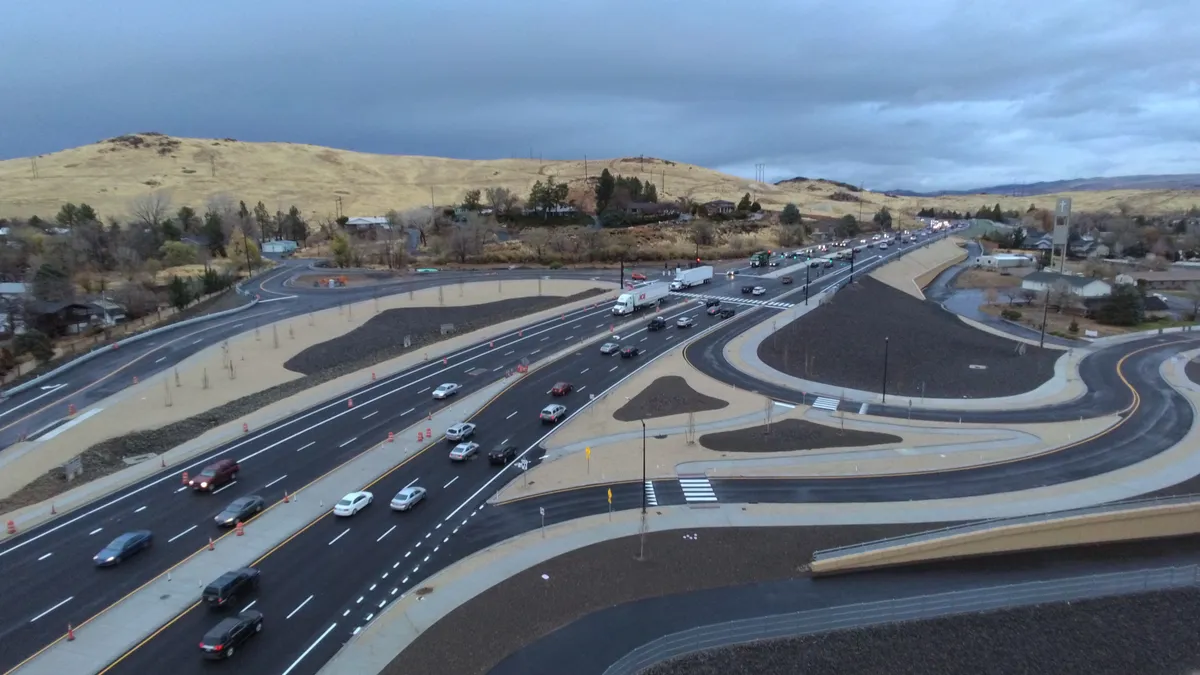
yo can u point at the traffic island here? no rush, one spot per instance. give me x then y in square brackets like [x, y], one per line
[666, 396]
[789, 435]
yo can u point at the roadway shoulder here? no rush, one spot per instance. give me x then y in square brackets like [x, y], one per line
[125, 624]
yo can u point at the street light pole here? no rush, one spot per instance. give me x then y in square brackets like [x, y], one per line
[885, 357]
[1045, 318]
[807, 267]
[643, 467]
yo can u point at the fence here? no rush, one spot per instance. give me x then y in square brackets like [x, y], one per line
[980, 525]
[888, 611]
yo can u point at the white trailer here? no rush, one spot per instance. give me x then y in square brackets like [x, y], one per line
[641, 297]
[692, 277]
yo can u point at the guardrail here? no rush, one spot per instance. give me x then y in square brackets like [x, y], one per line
[980, 525]
[84, 358]
[889, 611]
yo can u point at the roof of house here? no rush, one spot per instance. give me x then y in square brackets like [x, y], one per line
[1181, 275]
[13, 288]
[52, 306]
[719, 202]
[368, 220]
[1055, 277]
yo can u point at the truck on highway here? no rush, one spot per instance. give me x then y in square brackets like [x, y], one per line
[692, 277]
[760, 259]
[641, 297]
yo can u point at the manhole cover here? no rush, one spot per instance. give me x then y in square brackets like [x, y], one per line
[975, 366]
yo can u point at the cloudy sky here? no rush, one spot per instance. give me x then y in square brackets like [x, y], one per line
[920, 94]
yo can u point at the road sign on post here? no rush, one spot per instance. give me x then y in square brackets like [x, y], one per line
[542, 510]
[523, 465]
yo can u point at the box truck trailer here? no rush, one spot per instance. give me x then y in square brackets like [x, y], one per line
[641, 297]
[692, 277]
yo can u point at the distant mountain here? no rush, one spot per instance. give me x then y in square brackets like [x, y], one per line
[1182, 181]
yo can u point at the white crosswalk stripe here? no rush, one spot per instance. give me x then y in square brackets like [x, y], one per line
[776, 304]
[825, 403]
[651, 498]
[697, 489]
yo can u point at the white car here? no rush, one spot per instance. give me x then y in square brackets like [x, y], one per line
[353, 503]
[609, 348]
[407, 498]
[553, 413]
[446, 390]
[460, 432]
[684, 322]
[464, 451]
[882, 247]
[759, 290]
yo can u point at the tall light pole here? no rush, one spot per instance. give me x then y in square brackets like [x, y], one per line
[885, 357]
[807, 267]
[643, 467]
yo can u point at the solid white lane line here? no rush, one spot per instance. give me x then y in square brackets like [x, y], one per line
[511, 416]
[306, 445]
[249, 605]
[385, 533]
[371, 415]
[331, 543]
[299, 606]
[95, 530]
[407, 411]
[450, 483]
[139, 509]
[180, 534]
[52, 609]
[348, 442]
[224, 487]
[45, 556]
[275, 481]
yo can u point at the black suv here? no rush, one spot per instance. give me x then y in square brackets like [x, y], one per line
[221, 641]
[657, 323]
[503, 455]
[726, 313]
[232, 584]
[712, 302]
[629, 352]
[747, 289]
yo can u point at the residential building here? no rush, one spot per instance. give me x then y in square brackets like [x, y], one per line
[999, 261]
[651, 209]
[1081, 287]
[719, 206]
[1173, 279]
[279, 247]
[108, 312]
[364, 223]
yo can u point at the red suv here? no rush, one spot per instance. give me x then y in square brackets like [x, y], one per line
[561, 389]
[215, 475]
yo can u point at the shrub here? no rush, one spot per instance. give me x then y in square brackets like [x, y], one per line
[1011, 315]
[35, 343]
[1074, 327]
[556, 265]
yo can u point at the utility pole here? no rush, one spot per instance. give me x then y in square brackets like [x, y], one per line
[33, 166]
[885, 357]
[585, 171]
[807, 267]
[860, 201]
[643, 467]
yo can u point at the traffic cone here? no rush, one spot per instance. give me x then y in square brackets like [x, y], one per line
[185, 478]
[12, 527]
[372, 376]
[53, 511]
[444, 361]
[135, 379]
[286, 498]
[245, 428]
[391, 436]
[239, 528]
[420, 438]
[564, 317]
[70, 628]
[492, 343]
[210, 545]
[71, 409]
[430, 417]
[162, 461]
[428, 433]
[350, 403]
[520, 333]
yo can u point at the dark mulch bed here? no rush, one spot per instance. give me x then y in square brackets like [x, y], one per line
[1147, 634]
[107, 456]
[929, 350]
[670, 395]
[475, 637]
[792, 434]
[381, 337]
[1192, 370]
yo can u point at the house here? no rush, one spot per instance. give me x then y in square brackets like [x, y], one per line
[13, 290]
[368, 223]
[107, 312]
[1042, 243]
[1081, 287]
[718, 206]
[1002, 261]
[60, 318]
[279, 246]
[651, 210]
[1174, 279]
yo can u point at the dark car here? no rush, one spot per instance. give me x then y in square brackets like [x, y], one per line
[747, 289]
[240, 510]
[828, 263]
[629, 352]
[215, 475]
[713, 311]
[561, 389]
[657, 323]
[503, 455]
[224, 638]
[728, 312]
[712, 302]
[786, 280]
[230, 585]
[123, 547]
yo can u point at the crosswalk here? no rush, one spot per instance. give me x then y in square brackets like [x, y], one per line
[651, 498]
[826, 403]
[776, 304]
[697, 489]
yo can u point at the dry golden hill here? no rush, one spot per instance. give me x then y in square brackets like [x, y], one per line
[111, 174]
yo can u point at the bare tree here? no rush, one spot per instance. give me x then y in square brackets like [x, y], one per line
[1012, 293]
[537, 238]
[151, 209]
[501, 200]
[1192, 292]
[591, 242]
[702, 233]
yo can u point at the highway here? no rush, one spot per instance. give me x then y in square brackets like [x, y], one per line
[40, 408]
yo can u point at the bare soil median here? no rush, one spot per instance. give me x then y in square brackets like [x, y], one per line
[792, 434]
[666, 396]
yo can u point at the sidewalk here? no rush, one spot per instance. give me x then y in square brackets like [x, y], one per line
[123, 625]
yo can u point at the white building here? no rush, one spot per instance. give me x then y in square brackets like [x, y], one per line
[1081, 287]
[1000, 261]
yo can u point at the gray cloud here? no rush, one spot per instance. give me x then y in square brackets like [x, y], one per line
[922, 94]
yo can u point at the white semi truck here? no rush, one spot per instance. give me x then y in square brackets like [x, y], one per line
[647, 295]
[692, 277]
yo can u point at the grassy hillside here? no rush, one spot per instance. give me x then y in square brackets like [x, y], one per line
[109, 175]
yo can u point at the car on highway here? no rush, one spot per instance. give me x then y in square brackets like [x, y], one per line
[446, 390]
[223, 639]
[713, 311]
[637, 276]
[460, 432]
[123, 547]
[240, 510]
[464, 451]
[786, 281]
[609, 348]
[815, 262]
[684, 322]
[882, 247]
[747, 289]
[629, 351]
[408, 498]
[657, 323]
[728, 312]
[712, 302]
[552, 413]
[230, 586]
[561, 389]
[828, 263]
[353, 503]
[215, 475]
[759, 290]
[503, 455]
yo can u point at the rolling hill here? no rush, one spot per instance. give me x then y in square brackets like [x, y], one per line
[113, 173]
[1180, 181]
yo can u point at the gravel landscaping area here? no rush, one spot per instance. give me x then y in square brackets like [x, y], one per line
[381, 337]
[930, 352]
[473, 638]
[321, 363]
[792, 434]
[1147, 634]
[669, 395]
